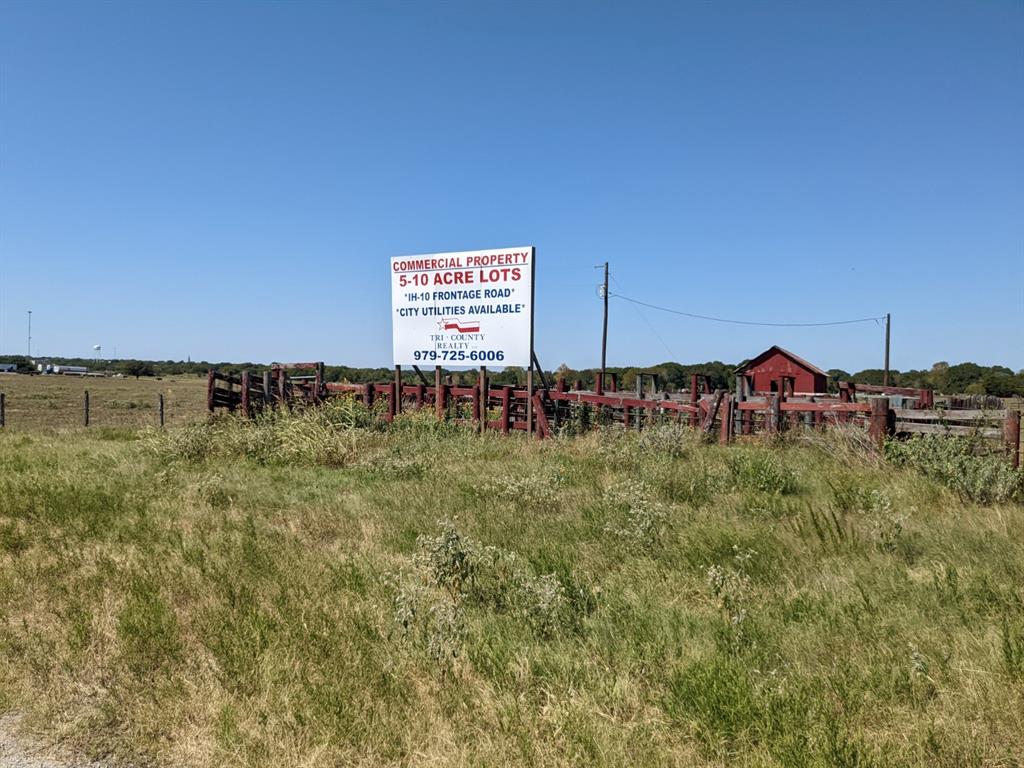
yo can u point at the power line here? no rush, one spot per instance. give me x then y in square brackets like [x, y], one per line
[746, 322]
[649, 324]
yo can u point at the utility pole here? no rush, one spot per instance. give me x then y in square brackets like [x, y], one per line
[30, 334]
[885, 374]
[604, 332]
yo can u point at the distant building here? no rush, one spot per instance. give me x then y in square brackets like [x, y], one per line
[778, 370]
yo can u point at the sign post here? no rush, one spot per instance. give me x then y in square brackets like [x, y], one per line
[469, 309]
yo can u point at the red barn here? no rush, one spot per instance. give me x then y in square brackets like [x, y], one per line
[778, 370]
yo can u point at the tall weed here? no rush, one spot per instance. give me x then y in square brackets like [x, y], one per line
[761, 470]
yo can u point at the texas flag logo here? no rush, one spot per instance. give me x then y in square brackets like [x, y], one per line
[451, 324]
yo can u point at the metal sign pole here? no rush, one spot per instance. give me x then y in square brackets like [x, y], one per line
[529, 367]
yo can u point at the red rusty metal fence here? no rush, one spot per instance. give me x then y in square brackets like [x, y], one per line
[506, 408]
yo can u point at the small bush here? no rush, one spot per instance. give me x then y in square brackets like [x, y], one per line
[887, 523]
[956, 463]
[668, 440]
[469, 573]
[450, 559]
[730, 585]
[646, 520]
[538, 490]
[445, 635]
[543, 601]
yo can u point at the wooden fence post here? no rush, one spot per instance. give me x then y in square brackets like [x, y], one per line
[561, 407]
[268, 392]
[529, 400]
[726, 429]
[1011, 434]
[694, 399]
[392, 404]
[543, 428]
[878, 424]
[245, 395]
[773, 420]
[484, 392]
[211, 382]
[792, 417]
[85, 409]
[398, 389]
[3, 409]
[741, 397]
[161, 406]
[845, 396]
[506, 409]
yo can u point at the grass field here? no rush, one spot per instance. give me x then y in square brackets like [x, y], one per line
[313, 591]
[55, 402]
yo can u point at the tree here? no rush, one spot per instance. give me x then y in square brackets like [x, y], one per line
[873, 376]
[515, 375]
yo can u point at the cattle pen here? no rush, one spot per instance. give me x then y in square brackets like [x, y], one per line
[882, 411]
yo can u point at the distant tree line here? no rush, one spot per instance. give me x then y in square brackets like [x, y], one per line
[962, 378]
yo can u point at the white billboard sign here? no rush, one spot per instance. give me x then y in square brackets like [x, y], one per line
[470, 308]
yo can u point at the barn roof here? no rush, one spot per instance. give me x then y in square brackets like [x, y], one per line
[776, 348]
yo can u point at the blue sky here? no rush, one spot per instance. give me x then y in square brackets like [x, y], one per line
[227, 181]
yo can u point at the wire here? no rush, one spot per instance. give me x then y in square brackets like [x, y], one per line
[648, 322]
[745, 322]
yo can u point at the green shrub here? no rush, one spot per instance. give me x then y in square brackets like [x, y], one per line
[645, 521]
[956, 463]
[533, 489]
[668, 440]
[449, 558]
[467, 572]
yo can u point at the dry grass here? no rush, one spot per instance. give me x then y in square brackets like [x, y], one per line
[617, 599]
[55, 402]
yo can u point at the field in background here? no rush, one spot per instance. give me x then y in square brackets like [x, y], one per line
[311, 590]
[55, 402]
